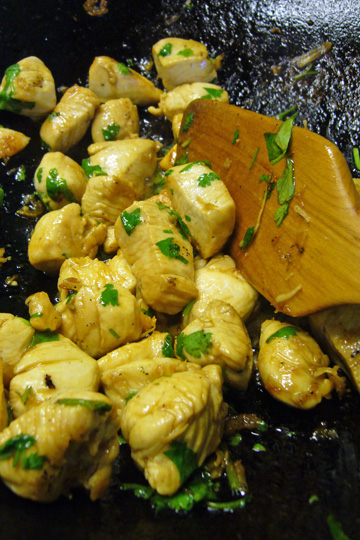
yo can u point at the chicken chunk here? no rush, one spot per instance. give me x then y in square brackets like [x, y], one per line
[11, 142]
[160, 256]
[220, 280]
[84, 271]
[338, 331]
[115, 120]
[179, 61]
[172, 421]
[67, 441]
[219, 336]
[59, 180]
[16, 334]
[99, 319]
[175, 102]
[110, 79]
[28, 88]
[61, 234]
[3, 402]
[292, 367]
[133, 161]
[201, 198]
[69, 121]
[106, 197]
[43, 315]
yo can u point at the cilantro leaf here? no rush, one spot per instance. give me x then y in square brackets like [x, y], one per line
[188, 308]
[42, 337]
[186, 52]
[123, 68]
[284, 332]
[56, 186]
[130, 395]
[171, 249]
[212, 93]
[191, 165]
[130, 220]
[183, 160]
[168, 348]
[206, 179]
[194, 344]
[166, 50]
[184, 458]
[92, 170]
[188, 121]
[235, 137]
[111, 131]
[335, 528]
[109, 296]
[281, 213]
[33, 462]
[248, 237]
[278, 143]
[286, 184]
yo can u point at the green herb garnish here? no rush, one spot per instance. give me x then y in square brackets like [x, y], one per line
[93, 405]
[109, 296]
[235, 137]
[20, 174]
[278, 143]
[184, 458]
[26, 394]
[335, 528]
[39, 174]
[130, 220]
[16, 447]
[286, 185]
[110, 132]
[212, 93]
[282, 115]
[186, 53]
[285, 332]
[188, 308]
[52, 116]
[7, 102]
[281, 213]
[188, 121]
[166, 50]
[130, 395]
[42, 337]
[114, 333]
[254, 158]
[123, 68]
[1, 196]
[259, 447]
[356, 158]
[171, 249]
[183, 160]
[57, 187]
[306, 73]
[248, 237]
[92, 170]
[168, 348]
[191, 165]
[195, 344]
[206, 179]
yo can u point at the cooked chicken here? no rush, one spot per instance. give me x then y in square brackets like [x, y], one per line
[11, 142]
[122, 383]
[110, 79]
[28, 88]
[220, 280]
[175, 102]
[50, 367]
[338, 331]
[160, 256]
[67, 441]
[219, 336]
[61, 234]
[84, 271]
[131, 160]
[67, 125]
[180, 61]
[106, 197]
[292, 367]
[59, 180]
[3, 402]
[176, 124]
[110, 245]
[43, 315]
[172, 421]
[203, 201]
[158, 344]
[16, 334]
[99, 319]
[114, 120]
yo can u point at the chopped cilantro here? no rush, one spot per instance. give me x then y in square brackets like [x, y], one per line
[188, 121]
[278, 143]
[206, 179]
[195, 344]
[33, 461]
[130, 220]
[259, 447]
[184, 458]
[92, 170]
[186, 143]
[254, 158]
[284, 332]
[183, 160]
[111, 131]
[109, 296]
[281, 213]
[212, 93]
[191, 165]
[158, 182]
[235, 137]
[235, 439]
[188, 308]
[286, 184]
[114, 333]
[166, 50]
[52, 116]
[42, 337]
[282, 115]
[16, 446]
[313, 499]
[229, 506]
[186, 52]
[305, 73]
[39, 174]
[171, 249]
[26, 394]
[1, 196]
[167, 348]
[7, 102]
[130, 395]
[93, 405]
[248, 237]
[20, 174]
[188, 218]
[123, 68]
[168, 172]
[56, 186]
[335, 528]
[356, 158]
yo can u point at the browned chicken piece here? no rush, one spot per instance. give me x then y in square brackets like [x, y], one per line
[11, 142]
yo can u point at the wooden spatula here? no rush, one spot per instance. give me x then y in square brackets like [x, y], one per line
[312, 260]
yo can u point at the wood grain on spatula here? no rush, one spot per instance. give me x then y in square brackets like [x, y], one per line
[312, 260]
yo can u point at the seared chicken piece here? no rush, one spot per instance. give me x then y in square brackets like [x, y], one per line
[110, 245]
[131, 160]
[115, 120]
[68, 441]
[99, 319]
[110, 79]
[16, 334]
[175, 102]
[180, 61]
[172, 421]
[122, 383]
[61, 234]
[220, 280]
[59, 180]
[69, 121]
[28, 88]
[160, 256]
[3, 402]
[11, 142]
[176, 124]
[203, 201]
[292, 367]
[53, 364]
[84, 271]
[43, 315]
[338, 331]
[219, 336]
[158, 344]
[106, 197]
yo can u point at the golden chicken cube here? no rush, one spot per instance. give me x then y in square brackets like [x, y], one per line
[179, 61]
[175, 102]
[28, 88]
[61, 234]
[338, 331]
[220, 337]
[219, 279]
[43, 315]
[4, 416]
[11, 142]
[69, 121]
[52, 365]
[16, 334]
[59, 180]
[159, 253]
[131, 160]
[115, 120]
[202, 199]
[110, 79]
[292, 367]
[68, 441]
[172, 417]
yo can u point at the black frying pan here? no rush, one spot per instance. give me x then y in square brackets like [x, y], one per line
[313, 453]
